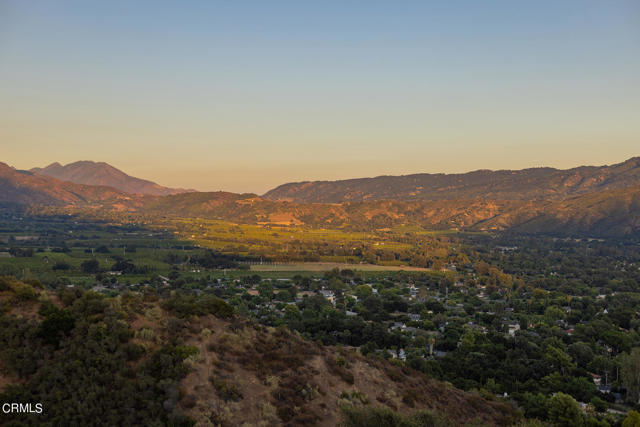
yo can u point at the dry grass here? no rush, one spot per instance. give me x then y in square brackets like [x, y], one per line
[266, 376]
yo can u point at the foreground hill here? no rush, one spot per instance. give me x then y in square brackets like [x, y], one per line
[526, 184]
[103, 174]
[27, 188]
[182, 361]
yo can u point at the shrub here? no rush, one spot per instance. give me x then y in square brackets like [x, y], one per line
[599, 404]
[57, 324]
[61, 265]
[226, 390]
[384, 417]
[22, 291]
[90, 266]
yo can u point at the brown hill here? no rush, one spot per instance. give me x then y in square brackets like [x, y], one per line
[605, 214]
[103, 174]
[615, 213]
[247, 374]
[26, 188]
[526, 184]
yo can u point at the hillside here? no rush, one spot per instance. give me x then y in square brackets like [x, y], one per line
[603, 213]
[178, 361]
[526, 184]
[26, 188]
[250, 209]
[615, 213]
[103, 174]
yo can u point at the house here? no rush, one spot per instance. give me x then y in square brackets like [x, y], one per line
[329, 295]
[512, 328]
[413, 291]
[397, 326]
[414, 317]
[604, 388]
[25, 238]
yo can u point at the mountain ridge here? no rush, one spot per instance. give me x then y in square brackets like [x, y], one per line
[524, 184]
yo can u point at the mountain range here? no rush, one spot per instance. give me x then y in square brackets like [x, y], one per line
[103, 174]
[596, 201]
[526, 184]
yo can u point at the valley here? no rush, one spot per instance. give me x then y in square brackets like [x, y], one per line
[536, 298]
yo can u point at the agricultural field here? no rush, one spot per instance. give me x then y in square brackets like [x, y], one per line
[394, 247]
[54, 248]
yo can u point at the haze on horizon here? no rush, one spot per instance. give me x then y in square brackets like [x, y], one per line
[244, 97]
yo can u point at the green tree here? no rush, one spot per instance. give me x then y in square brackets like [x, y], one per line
[363, 291]
[291, 312]
[564, 411]
[558, 359]
[630, 372]
[90, 266]
[599, 404]
[265, 290]
[632, 420]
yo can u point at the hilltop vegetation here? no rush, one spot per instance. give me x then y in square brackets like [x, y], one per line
[139, 360]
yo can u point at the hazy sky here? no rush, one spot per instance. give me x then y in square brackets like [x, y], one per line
[243, 96]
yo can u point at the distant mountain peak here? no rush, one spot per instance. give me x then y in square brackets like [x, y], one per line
[89, 172]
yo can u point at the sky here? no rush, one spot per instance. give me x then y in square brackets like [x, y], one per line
[246, 95]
